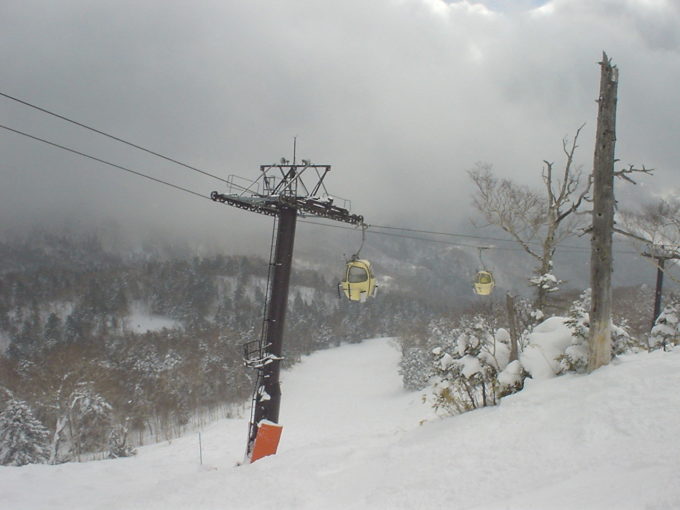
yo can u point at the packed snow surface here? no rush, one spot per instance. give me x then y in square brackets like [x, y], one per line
[353, 439]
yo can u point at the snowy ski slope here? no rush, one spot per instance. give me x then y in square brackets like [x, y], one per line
[353, 439]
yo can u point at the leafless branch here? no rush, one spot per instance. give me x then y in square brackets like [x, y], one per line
[632, 236]
[626, 172]
[537, 221]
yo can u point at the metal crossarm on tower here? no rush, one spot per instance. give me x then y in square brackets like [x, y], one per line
[283, 191]
[283, 185]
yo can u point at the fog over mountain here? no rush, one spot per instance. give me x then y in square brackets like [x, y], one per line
[400, 97]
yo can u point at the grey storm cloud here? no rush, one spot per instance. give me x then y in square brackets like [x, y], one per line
[400, 96]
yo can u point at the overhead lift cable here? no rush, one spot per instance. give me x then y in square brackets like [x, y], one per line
[116, 138]
[233, 184]
[371, 227]
[99, 160]
[404, 236]
[471, 236]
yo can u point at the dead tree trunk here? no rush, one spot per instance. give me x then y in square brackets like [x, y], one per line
[514, 330]
[658, 292]
[601, 262]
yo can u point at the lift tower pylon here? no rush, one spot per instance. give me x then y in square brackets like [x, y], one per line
[284, 191]
[660, 254]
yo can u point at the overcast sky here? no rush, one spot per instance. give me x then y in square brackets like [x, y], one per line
[401, 97]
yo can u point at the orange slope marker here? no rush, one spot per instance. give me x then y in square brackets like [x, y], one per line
[267, 440]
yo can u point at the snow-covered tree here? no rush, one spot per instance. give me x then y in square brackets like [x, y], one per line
[666, 330]
[575, 356]
[415, 368]
[89, 416]
[466, 371]
[546, 283]
[23, 439]
[118, 444]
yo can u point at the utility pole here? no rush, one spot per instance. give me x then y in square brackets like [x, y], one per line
[658, 292]
[601, 260]
[284, 191]
[660, 254]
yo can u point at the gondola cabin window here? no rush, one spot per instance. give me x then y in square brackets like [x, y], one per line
[357, 274]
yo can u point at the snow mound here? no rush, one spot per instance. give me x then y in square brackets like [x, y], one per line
[547, 341]
[352, 439]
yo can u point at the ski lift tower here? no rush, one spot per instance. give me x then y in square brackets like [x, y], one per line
[283, 191]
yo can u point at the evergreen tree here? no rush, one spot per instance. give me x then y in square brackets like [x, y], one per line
[53, 330]
[415, 368]
[23, 439]
[666, 330]
[575, 356]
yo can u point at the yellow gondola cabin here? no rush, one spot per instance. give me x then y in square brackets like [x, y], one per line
[359, 281]
[484, 283]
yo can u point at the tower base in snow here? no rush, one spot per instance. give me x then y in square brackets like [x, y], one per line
[266, 441]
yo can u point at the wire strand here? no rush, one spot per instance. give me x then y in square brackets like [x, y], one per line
[94, 158]
[367, 226]
[113, 137]
[471, 236]
[438, 241]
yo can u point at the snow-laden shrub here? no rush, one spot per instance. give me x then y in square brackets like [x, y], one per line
[511, 378]
[23, 439]
[118, 445]
[472, 370]
[548, 282]
[666, 330]
[415, 366]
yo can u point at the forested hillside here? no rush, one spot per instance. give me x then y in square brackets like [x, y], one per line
[106, 349]
[96, 343]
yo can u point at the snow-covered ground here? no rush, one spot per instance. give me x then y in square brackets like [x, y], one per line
[353, 439]
[141, 320]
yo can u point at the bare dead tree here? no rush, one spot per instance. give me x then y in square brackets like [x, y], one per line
[655, 223]
[514, 330]
[604, 206]
[602, 229]
[655, 230]
[537, 220]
